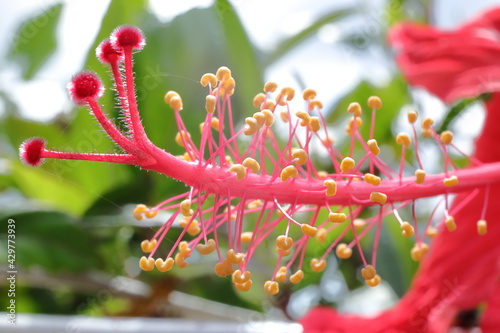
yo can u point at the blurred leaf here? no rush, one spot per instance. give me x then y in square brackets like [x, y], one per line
[54, 241]
[394, 95]
[68, 185]
[287, 45]
[457, 108]
[35, 41]
[241, 53]
[395, 263]
[44, 186]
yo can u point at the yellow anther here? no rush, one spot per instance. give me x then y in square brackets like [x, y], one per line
[431, 232]
[297, 277]
[281, 274]
[185, 207]
[331, 187]
[229, 85]
[280, 100]
[251, 164]
[234, 258]
[186, 156]
[450, 181]
[300, 155]
[288, 92]
[318, 265]
[418, 251]
[184, 249]
[315, 104]
[142, 209]
[427, 133]
[244, 287]
[407, 229]
[315, 124]
[372, 179]
[223, 73]
[270, 86]
[412, 116]
[282, 253]
[151, 213]
[359, 224]
[182, 137]
[229, 160]
[147, 264]
[289, 172]
[269, 117]
[419, 176]
[252, 126]
[208, 79]
[381, 198]
[148, 246]
[355, 109]
[176, 103]
[427, 123]
[450, 224]
[446, 137]
[322, 174]
[321, 235]
[246, 237]
[350, 127]
[179, 260]
[169, 95]
[284, 243]
[164, 265]
[343, 251]
[305, 118]
[207, 248]
[215, 124]
[239, 170]
[240, 277]
[368, 272]
[139, 210]
[258, 100]
[403, 139]
[337, 217]
[374, 102]
[210, 103]
[254, 204]
[373, 146]
[285, 116]
[482, 227]
[269, 104]
[309, 94]
[347, 164]
[223, 268]
[374, 282]
[261, 119]
[308, 230]
[271, 287]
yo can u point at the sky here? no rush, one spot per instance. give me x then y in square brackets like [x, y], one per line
[47, 90]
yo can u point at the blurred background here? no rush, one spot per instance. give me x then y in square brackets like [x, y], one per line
[77, 244]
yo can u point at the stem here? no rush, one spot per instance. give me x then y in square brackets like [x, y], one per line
[218, 180]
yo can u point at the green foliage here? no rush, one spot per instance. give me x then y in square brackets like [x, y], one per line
[53, 241]
[37, 33]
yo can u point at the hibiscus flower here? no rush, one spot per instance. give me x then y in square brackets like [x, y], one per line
[462, 269]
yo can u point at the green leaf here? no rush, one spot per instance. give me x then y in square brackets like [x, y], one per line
[52, 240]
[36, 41]
[457, 108]
[242, 58]
[290, 43]
[394, 95]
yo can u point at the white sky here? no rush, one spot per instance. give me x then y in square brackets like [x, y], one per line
[322, 67]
